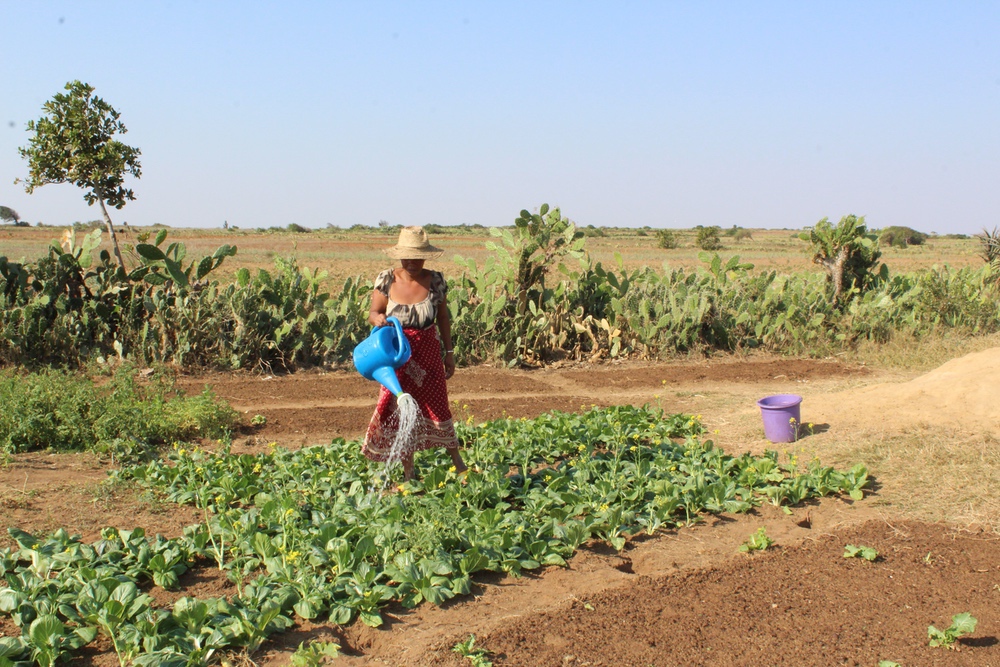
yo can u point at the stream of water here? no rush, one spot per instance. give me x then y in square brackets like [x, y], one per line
[406, 415]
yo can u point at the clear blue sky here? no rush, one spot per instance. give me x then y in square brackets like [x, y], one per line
[669, 114]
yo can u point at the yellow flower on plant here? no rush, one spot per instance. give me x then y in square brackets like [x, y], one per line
[292, 556]
[440, 485]
[452, 469]
[257, 468]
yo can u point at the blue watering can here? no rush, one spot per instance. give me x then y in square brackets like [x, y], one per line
[378, 356]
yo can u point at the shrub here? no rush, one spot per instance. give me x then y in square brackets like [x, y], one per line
[666, 238]
[63, 410]
[848, 253]
[708, 238]
[297, 229]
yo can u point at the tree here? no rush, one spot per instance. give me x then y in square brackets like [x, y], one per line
[74, 143]
[7, 214]
[848, 253]
[901, 237]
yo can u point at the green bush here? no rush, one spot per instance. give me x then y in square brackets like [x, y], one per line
[708, 238]
[667, 239]
[56, 409]
[901, 237]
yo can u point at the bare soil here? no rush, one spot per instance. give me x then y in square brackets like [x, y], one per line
[687, 597]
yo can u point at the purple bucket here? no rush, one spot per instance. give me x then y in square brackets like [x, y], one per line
[778, 412]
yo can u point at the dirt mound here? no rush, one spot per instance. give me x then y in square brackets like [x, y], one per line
[961, 394]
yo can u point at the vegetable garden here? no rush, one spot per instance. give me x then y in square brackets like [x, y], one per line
[303, 533]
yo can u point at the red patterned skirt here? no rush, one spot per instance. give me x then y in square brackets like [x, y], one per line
[422, 377]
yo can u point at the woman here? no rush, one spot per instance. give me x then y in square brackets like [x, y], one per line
[418, 298]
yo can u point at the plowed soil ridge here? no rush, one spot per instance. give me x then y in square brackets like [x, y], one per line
[806, 605]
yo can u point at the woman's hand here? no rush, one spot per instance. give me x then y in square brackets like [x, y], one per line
[376, 314]
[449, 365]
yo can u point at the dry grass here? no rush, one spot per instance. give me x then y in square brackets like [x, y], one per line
[918, 355]
[921, 474]
[343, 254]
[925, 473]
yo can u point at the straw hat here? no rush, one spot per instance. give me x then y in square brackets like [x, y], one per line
[413, 244]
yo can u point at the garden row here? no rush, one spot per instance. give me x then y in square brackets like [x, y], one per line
[539, 296]
[307, 534]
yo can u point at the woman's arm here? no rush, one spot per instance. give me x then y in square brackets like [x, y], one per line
[376, 315]
[444, 326]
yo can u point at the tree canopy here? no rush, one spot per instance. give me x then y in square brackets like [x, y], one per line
[74, 142]
[7, 214]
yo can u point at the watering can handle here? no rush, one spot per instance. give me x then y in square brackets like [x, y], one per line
[401, 337]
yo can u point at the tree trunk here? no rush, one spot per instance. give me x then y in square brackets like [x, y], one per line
[111, 231]
[835, 268]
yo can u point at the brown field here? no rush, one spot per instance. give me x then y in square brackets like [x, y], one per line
[342, 253]
[686, 597]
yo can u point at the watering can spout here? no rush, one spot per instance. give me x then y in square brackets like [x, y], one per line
[378, 356]
[386, 376]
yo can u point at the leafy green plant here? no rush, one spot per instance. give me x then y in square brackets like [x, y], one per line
[479, 657]
[989, 243]
[62, 410]
[759, 541]
[888, 663]
[867, 553]
[300, 533]
[314, 654]
[49, 639]
[961, 624]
